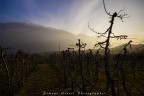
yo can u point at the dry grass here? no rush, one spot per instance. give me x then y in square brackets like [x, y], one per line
[43, 79]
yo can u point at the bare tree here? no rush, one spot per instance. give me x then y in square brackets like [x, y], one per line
[108, 34]
[80, 63]
[3, 54]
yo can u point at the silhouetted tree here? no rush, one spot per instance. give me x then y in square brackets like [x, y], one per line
[105, 45]
[80, 63]
[3, 55]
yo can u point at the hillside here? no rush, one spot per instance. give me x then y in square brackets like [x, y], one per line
[36, 38]
[134, 47]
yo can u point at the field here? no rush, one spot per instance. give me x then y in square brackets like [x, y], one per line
[72, 72]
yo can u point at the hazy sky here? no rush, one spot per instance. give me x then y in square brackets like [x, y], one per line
[74, 15]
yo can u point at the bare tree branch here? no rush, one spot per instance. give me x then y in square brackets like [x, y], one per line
[101, 34]
[105, 9]
[121, 10]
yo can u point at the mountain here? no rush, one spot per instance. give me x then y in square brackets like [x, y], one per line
[36, 38]
[134, 47]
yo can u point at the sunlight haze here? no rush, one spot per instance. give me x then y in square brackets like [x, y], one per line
[74, 15]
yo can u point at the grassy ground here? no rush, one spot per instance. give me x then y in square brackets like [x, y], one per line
[44, 79]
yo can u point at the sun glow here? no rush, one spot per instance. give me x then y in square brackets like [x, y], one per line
[73, 16]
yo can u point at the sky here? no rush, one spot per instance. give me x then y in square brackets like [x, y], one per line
[74, 15]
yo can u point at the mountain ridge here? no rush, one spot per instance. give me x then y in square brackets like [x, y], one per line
[37, 38]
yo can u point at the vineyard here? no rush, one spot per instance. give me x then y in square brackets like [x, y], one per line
[14, 70]
[85, 72]
[76, 70]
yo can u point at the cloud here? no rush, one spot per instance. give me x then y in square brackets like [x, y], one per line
[73, 19]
